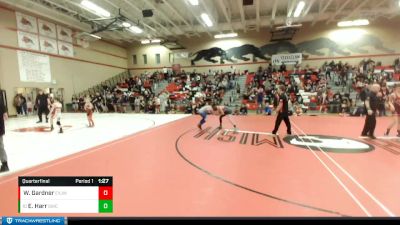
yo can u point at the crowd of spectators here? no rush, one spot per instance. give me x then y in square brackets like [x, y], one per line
[187, 92]
[329, 89]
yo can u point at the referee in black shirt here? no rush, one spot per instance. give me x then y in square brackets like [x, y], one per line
[42, 104]
[371, 106]
[283, 111]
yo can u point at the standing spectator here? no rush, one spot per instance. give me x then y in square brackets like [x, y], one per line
[75, 103]
[137, 105]
[29, 105]
[165, 72]
[260, 99]
[3, 154]
[157, 104]
[17, 104]
[42, 104]
[24, 107]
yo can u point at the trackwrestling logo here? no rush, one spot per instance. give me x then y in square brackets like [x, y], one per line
[33, 220]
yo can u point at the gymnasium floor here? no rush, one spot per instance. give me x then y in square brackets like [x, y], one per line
[175, 170]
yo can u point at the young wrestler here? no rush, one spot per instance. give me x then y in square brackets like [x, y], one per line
[223, 111]
[394, 106]
[55, 113]
[89, 112]
[203, 112]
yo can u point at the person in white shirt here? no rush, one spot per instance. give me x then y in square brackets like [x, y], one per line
[29, 105]
[157, 104]
[137, 105]
[55, 112]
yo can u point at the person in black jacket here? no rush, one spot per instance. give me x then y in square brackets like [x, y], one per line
[42, 104]
[3, 155]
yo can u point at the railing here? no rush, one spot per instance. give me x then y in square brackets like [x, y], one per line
[111, 82]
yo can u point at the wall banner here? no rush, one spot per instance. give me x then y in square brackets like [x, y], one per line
[288, 59]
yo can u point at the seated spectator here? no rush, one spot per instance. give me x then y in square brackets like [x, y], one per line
[297, 109]
[243, 110]
[344, 107]
[267, 110]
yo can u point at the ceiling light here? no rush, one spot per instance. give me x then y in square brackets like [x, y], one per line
[299, 8]
[135, 29]
[229, 35]
[360, 22]
[194, 2]
[95, 8]
[95, 36]
[126, 24]
[155, 41]
[206, 19]
[145, 41]
[345, 24]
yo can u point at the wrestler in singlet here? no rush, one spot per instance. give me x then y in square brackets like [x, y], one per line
[394, 101]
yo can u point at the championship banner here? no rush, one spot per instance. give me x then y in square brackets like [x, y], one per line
[288, 59]
[28, 40]
[26, 22]
[48, 45]
[47, 29]
[65, 49]
[64, 34]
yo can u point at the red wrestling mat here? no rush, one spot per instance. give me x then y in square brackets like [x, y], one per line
[323, 169]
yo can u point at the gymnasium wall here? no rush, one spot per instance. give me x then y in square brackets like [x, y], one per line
[89, 66]
[355, 44]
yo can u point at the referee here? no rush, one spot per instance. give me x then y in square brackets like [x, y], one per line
[283, 111]
[371, 106]
[42, 104]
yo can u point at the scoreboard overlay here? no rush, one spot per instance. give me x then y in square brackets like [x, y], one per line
[65, 194]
